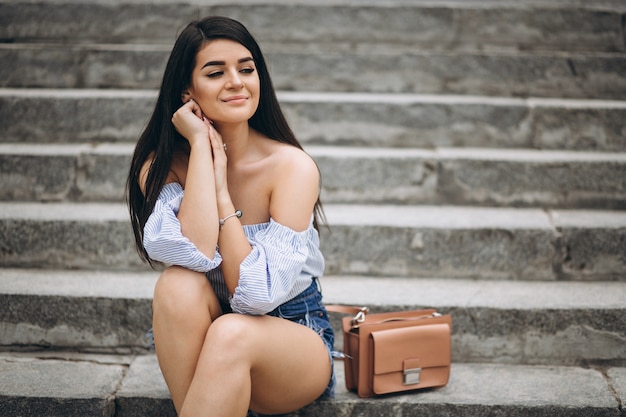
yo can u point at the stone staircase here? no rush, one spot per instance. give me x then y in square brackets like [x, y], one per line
[473, 156]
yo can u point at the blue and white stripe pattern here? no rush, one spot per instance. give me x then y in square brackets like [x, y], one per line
[164, 240]
[280, 266]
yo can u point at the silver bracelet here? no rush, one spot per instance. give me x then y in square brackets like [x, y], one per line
[237, 214]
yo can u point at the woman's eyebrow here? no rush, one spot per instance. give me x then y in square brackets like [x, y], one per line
[222, 63]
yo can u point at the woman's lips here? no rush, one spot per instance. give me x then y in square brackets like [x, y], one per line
[235, 99]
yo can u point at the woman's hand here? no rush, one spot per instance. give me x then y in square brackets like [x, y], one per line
[190, 122]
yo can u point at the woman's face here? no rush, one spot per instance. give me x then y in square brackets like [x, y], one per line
[225, 82]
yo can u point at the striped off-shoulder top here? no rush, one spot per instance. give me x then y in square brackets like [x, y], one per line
[280, 266]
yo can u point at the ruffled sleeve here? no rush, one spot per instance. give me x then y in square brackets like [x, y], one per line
[268, 274]
[163, 239]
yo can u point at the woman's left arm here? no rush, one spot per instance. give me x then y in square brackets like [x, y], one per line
[232, 241]
[293, 195]
[288, 248]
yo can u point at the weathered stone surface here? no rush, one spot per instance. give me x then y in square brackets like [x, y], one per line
[79, 310]
[510, 75]
[578, 125]
[88, 236]
[536, 28]
[438, 241]
[140, 22]
[514, 75]
[475, 176]
[473, 389]
[25, 178]
[566, 323]
[425, 25]
[532, 178]
[102, 173]
[587, 249]
[57, 388]
[34, 66]
[73, 116]
[82, 66]
[406, 120]
[542, 391]
[356, 175]
[112, 325]
[144, 392]
[64, 172]
[539, 337]
[503, 321]
[497, 243]
[472, 176]
[511, 390]
[617, 381]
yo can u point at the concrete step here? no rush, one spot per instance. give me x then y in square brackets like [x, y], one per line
[354, 119]
[552, 323]
[472, 176]
[77, 385]
[301, 68]
[466, 176]
[434, 25]
[441, 241]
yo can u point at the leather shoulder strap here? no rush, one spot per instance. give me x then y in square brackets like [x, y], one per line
[352, 310]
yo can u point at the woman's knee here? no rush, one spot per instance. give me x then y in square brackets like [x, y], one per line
[234, 335]
[178, 290]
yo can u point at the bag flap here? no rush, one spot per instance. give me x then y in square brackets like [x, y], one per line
[414, 347]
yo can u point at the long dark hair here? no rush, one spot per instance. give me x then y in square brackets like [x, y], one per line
[161, 139]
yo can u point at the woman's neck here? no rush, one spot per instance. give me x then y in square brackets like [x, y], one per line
[236, 137]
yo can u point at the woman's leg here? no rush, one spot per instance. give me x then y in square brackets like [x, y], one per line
[184, 307]
[268, 364]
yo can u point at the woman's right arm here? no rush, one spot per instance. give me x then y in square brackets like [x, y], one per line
[162, 237]
[198, 214]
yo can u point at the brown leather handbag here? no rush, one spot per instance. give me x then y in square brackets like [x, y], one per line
[395, 351]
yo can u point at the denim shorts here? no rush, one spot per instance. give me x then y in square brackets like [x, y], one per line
[307, 309]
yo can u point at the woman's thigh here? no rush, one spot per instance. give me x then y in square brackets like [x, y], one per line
[184, 306]
[289, 363]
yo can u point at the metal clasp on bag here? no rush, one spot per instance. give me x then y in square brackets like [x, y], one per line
[360, 316]
[411, 376]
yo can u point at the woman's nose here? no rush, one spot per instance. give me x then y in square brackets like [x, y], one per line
[234, 80]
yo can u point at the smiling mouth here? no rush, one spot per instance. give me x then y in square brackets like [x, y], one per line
[235, 99]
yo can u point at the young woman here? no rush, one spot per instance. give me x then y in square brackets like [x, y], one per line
[222, 193]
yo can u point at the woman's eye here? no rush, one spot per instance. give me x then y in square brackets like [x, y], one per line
[214, 74]
[247, 70]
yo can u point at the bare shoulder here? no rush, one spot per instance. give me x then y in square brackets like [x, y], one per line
[295, 187]
[294, 161]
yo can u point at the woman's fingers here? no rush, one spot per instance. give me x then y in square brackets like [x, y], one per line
[196, 109]
[188, 121]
